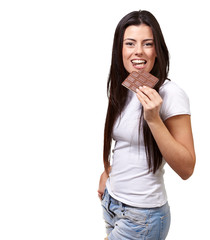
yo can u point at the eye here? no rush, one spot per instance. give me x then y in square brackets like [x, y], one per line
[148, 44]
[130, 44]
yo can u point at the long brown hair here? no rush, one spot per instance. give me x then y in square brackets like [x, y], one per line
[117, 94]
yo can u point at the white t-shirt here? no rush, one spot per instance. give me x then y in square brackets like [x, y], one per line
[129, 180]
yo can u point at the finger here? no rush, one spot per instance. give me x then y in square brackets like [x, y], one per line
[149, 92]
[142, 97]
[100, 196]
[152, 94]
[100, 192]
[147, 103]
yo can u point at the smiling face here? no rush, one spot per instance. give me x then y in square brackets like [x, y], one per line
[138, 50]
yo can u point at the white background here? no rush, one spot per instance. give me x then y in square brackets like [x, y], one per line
[54, 62]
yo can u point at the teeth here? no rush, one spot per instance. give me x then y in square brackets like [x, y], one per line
[138, 61]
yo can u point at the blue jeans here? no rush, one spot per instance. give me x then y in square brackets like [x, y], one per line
[124, 222]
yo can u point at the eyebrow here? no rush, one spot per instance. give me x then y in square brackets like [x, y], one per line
[145, 40]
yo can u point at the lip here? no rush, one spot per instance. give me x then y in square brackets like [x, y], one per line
[142, 59]
[142, 66]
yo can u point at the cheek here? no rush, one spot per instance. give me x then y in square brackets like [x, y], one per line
[152, 55]
[126, 52]
[125, 55]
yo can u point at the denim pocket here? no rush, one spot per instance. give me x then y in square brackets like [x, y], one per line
[136, 215]
[136, 223]
[103, 196]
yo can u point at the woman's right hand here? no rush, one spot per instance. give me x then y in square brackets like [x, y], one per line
[102, 184]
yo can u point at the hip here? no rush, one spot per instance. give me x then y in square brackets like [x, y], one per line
[127, 222]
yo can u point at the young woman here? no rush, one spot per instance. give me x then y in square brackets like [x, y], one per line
[150, 128]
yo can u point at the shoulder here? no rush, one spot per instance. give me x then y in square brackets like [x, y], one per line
[175, 100]
[171, 88]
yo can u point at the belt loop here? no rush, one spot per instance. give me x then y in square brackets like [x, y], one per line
[122, 206]
[108, 206]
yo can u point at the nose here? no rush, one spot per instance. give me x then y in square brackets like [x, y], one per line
[139, 50]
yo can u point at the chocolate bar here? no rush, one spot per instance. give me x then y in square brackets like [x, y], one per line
[140, 78]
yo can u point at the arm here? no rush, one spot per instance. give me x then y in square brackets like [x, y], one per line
[175, 142]
[174, 138]
[102, 183]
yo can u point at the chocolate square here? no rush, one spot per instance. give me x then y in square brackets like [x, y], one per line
[140, 78]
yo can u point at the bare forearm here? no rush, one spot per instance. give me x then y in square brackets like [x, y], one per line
[102, 182]
[176, 154]
[174, 137]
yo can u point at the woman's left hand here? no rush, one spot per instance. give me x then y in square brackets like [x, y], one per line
[102, 184]
[151, 102]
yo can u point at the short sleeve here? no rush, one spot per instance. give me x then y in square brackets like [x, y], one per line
[175, 101]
